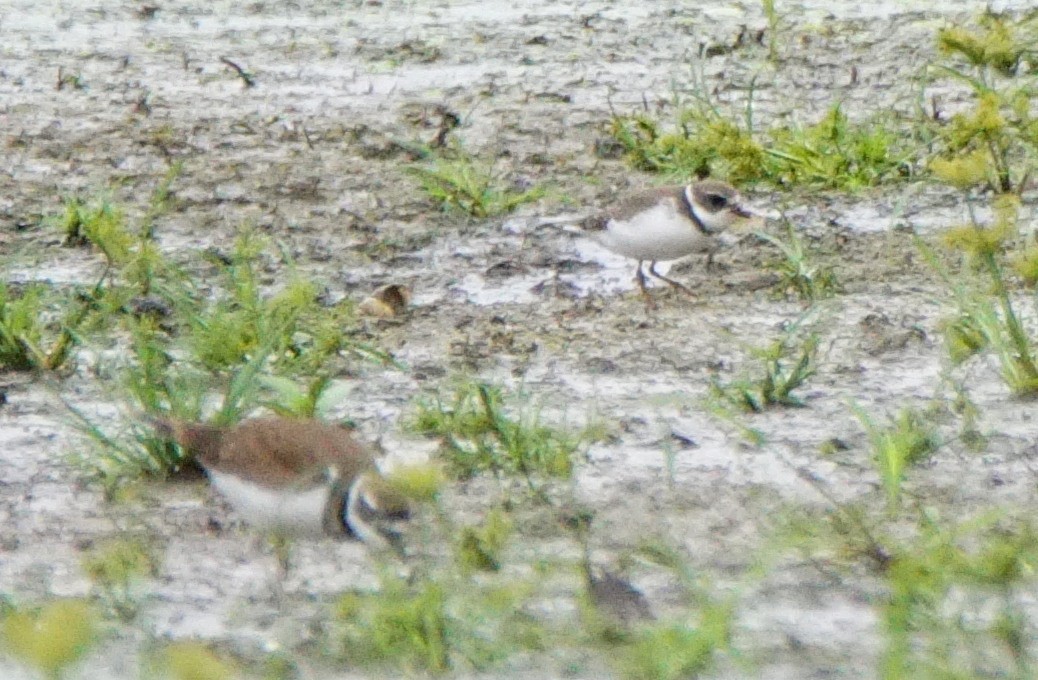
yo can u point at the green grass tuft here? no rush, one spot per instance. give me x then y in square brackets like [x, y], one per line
[458, 181]
[479, 435]
[785, 365]
[906, 440]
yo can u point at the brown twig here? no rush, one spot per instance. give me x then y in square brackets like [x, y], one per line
[242, 73]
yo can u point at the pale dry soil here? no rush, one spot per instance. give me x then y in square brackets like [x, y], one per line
[312, 156]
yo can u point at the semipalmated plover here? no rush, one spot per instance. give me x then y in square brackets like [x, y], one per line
[669, 222]
[296, 477]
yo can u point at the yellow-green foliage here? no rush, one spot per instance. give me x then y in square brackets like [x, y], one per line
[99, 223]
[1025, 264]
[53, 637]
[145, 267]
[799, 275]
[832, 153]
[837, 153]
[1000, 124]
[434, 626]
[978, 241]
[979, 128]
[25, 343]
[673, 651]
[993, 44]
[227, 332]
[701, 145]
[778, 378]
[963, 337]
[421, 483]
[963, 171]
[907, 439]
[458, 181]
[116, 567]
[400, 625]
[119, 561]
[193, 661]
[940, 581]
[479, 435]
[994, 317]
[21, 327]
[480, 547]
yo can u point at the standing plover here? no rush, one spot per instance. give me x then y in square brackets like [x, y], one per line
[668, 223]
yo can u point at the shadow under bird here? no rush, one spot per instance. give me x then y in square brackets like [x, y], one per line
[667, 223]
[614, 596]
[296, 478]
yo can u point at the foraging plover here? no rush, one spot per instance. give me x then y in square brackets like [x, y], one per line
[296, 477]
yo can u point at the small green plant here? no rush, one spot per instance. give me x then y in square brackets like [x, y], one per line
[834, 153]
[987, 315]
[189, 660]
[229, 331]
[26, 339]
[771, 14]
[459, 182]
[194, 348]
[420, 482]
[98, 223]
[156, 385]
[117, 567]
[51, 638]
[315, 400]
[479, 547]
[939, 586]
[426, 625]
[479, 435]
[786, 364]
[402, 624]
[906, 440]
[965, 336]
[702, 143]
[997, 142]
[677, 650]
[162, 200]
[799, 275]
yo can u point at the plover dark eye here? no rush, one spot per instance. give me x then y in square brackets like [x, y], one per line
[716, 201]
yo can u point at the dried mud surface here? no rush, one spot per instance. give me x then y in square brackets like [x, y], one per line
[313, 156]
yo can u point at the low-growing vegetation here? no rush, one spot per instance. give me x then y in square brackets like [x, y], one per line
[800, 276]
[784, 366]
[34, 335]
[456, 180]
[51, 638]
[431, 626]
[479, 434]
[117, 569]
[908, 439]
[833, 153]
[937, 566]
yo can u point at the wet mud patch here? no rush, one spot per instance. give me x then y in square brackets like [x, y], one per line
[315, 155]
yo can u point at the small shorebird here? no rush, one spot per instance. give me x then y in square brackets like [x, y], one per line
[615, 600]
[296, 477]
[669, 222]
